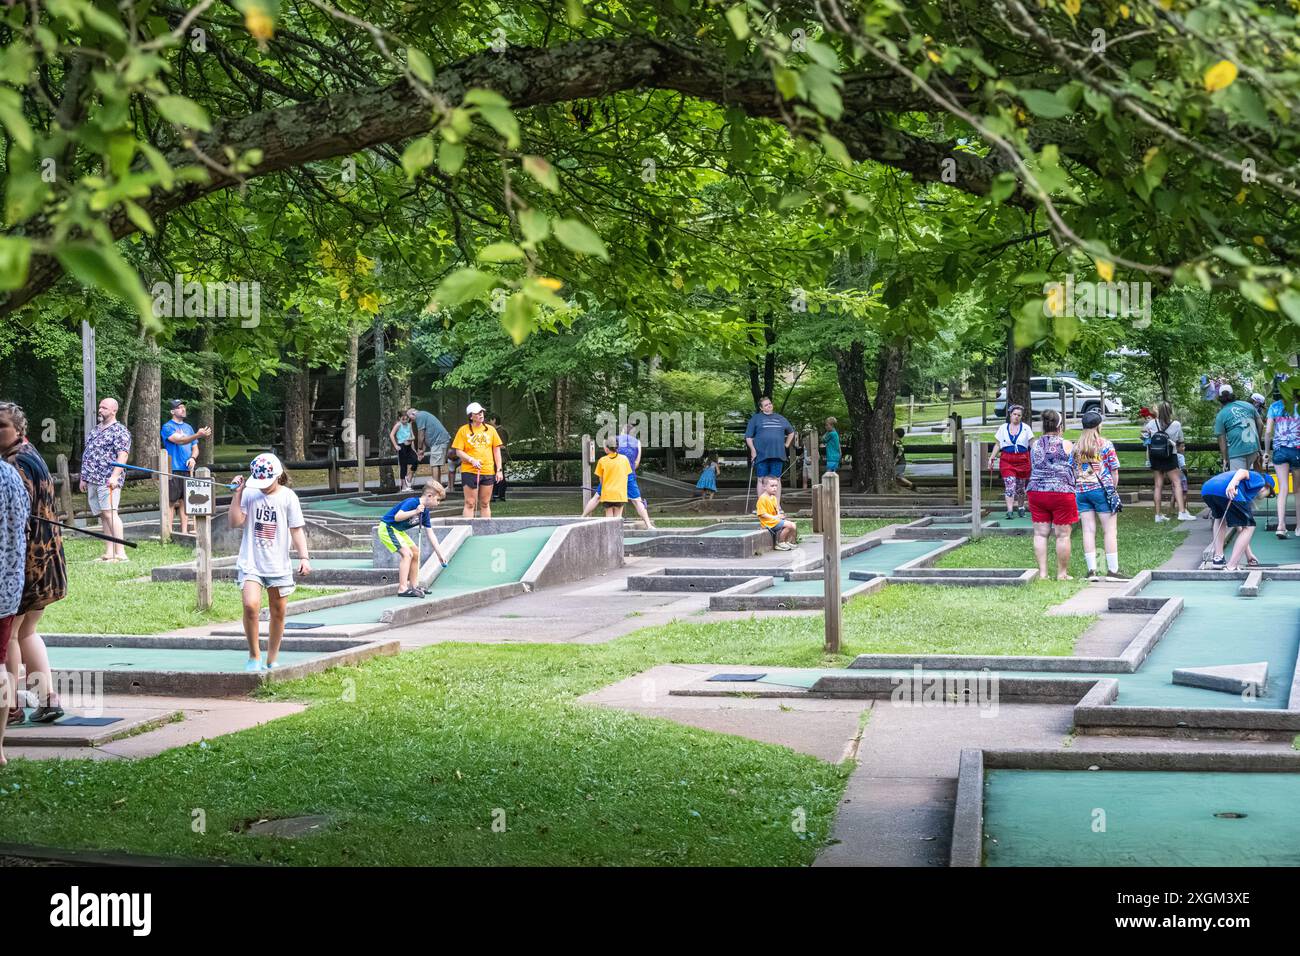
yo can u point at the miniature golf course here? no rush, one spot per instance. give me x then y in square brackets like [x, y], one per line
[483, 561]
[882, 559]
[176, 659]
[1152, 818]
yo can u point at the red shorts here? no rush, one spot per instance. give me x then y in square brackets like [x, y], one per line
[6, 631]
[1053, 507]
[1014, 464]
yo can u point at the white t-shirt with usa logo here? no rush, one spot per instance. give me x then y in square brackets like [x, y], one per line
[268, 520]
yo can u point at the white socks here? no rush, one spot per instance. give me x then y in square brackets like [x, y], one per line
[1112, 561]
[1091, 558]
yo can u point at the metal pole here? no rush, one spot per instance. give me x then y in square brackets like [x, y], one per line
[203, 549]
[1062, 403]
[89, 388]
[959, 460]
[362, 446]
[334, 469]
[586, 470]
[831, 559]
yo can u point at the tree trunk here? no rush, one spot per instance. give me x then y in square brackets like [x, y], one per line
[297, 412]
[563, 412]
[759, 388]
[146, 407]
[871, 441]
[128, 393]
[350, 397]
[387, 480]
[1019, 370]
[207, 410]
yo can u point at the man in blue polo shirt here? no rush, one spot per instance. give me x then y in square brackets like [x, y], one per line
[1230, 497]
[768, 436]
[181, 442]
[629, 446]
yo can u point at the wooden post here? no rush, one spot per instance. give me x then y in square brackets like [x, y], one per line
[362, 447]
[65, 488]
[333, 469]
[89, 401]
[1062, 403]
[984, 410]
[831, 559]
[587, 455]
[950, 400]
[164, 497]
[203, 548]
[975, 473]
[911, 409]
[959, 455]
[814, 454]
[817, 508]
[670, 462]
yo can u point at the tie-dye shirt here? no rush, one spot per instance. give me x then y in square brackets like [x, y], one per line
[1090, 472]
[1286, 425]
[1052, 468]
[14, 508]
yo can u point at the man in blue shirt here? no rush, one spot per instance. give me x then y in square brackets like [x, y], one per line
[1230, 497]
[629, 446]
[181, 442]
[768, 436]
[430, 438]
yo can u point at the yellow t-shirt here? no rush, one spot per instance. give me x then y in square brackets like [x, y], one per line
[612, 470]
[767, 511]
[478, 443]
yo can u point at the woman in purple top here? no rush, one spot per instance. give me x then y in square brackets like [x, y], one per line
[1052, 502]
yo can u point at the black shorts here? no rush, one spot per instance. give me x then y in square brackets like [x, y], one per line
[1164, 465]
[473, 480]
[176, 488]
[1240, 514]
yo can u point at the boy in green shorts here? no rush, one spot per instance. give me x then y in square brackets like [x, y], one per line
[411, 513]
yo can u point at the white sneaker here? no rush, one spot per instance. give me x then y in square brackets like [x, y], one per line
[1184, 516]
[1160, 518]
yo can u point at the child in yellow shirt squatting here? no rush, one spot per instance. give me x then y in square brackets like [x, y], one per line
[612, 471]
[772, 518]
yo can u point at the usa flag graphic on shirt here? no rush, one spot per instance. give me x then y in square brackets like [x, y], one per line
[265, 526]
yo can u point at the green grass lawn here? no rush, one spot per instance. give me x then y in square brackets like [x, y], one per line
[414, 757]
[411, 756]
[120, 598]
[1143, 544]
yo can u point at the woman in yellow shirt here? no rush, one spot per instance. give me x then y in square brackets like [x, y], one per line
[612, 471]
[478, 446]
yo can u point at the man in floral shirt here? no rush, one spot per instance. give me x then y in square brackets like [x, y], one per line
[107, 448]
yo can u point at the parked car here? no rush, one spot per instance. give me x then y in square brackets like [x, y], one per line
[1045, 393]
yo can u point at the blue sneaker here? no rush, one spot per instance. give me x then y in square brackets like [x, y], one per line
[254, 665]
[268, 666]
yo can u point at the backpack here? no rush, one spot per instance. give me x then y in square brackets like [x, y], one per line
[1160, 446]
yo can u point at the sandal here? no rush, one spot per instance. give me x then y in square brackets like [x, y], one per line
[1252, 562]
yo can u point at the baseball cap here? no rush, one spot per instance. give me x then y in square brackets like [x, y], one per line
[473, 408]
[264, 470]
[1257, 398]
[1091, 419]
[175, 403]
[1225, 389]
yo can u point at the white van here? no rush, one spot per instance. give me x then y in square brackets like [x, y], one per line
[1045, 393]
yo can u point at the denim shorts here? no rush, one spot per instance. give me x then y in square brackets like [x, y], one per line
[1286, 456]
[284, 584]
[769, 467]
[1092, 500]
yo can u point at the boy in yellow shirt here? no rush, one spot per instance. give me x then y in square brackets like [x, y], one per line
[773, 519]
[612, 471]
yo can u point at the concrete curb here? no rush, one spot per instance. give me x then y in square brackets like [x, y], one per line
[967, 847]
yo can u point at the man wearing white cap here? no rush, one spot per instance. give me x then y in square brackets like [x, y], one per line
[478, 448]
[271, 516]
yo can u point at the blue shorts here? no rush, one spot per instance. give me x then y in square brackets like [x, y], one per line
[769, 467]
[1092, 500]
[775, 530]
[1286, 456]
[832, 464]
[633, 490]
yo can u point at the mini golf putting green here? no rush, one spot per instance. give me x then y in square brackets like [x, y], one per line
[176, 659]
[1152, 818]
[483, 561]
[1268, 547]
[885, 557]
[348, 507]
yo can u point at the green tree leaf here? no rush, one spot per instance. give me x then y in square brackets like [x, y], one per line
[183, 112]
[579, 237]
